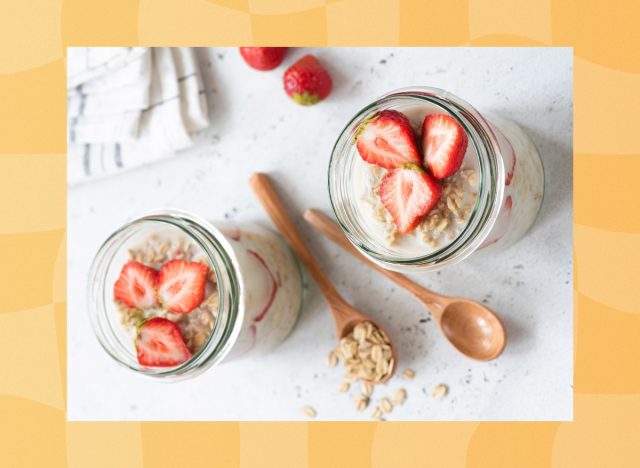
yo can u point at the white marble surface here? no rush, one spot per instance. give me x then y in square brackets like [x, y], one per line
[255, 127]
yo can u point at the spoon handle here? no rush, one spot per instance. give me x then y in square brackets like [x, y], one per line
[331, 229]
[271, 202]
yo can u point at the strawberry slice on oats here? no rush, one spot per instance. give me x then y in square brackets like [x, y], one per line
[387, 140]
[409, 193]
[444, 144]
[135, 286]
[159, 343]
[181, 285]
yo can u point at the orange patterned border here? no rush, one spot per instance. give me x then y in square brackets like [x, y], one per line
[34, 34]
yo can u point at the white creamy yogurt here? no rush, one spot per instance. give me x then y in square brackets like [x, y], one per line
[524, 185]
[272, 288]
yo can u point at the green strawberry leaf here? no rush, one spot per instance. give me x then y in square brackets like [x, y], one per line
[305, 99]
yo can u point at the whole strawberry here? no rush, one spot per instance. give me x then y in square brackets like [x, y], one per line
[307, 82]
[263, 58]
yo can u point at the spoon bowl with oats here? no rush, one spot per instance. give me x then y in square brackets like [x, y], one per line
[365, 347]
[472, 328]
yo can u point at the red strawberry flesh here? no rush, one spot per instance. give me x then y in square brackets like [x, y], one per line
[307, 82]
[181, 285]
[160, 344]
[135, 286]
[273, 289]
[509, 176]
[388, 140]
[263, 58]
[444, 144]
[409, 193]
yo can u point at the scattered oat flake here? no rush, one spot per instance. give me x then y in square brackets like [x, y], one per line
[309, 411]
[439, 391]
[344, 387]
[332, 359]
[386, 405]
[399, 397]
[362, 401]
[409, 374]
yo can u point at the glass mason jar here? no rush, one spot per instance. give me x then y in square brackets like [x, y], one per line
[507, 171]
[256, 299]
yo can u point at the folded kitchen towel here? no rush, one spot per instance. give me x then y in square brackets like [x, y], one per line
[88, 63]
[128, 107]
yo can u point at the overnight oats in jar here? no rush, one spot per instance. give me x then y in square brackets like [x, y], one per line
[420, 179]
[171, 295]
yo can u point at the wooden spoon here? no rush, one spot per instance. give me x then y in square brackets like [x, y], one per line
[346, 316]
[472, 328]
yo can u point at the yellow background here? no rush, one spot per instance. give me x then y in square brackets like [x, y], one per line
[606, 36]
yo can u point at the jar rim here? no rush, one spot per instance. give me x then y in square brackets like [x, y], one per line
[220, 256]
[490, 190]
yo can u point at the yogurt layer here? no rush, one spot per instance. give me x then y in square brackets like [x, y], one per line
[272, 285]
[524, 185]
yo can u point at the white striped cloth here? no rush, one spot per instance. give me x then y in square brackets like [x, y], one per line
[130, 106]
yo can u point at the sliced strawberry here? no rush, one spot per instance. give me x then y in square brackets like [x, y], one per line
[387, 140]
[160, 344]
[135, 286]
[444, 143]
[263, 58]
[181, 285]
[409, 193]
